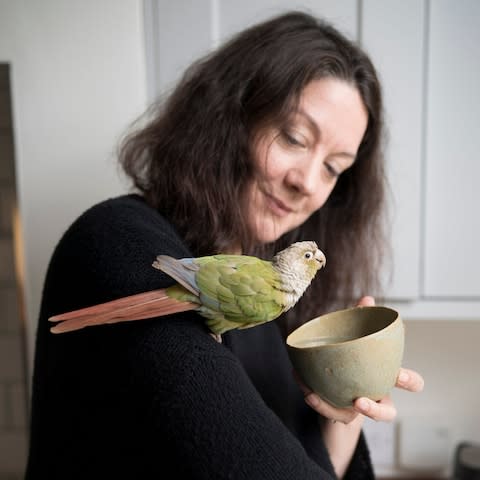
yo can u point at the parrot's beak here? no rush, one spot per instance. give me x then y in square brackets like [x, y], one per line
[320, 258]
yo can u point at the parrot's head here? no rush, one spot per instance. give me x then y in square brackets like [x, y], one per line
[298, 264]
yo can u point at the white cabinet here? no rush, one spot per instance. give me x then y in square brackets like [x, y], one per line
[177, 33]
[392, 32]
[234, 15]
[452, 218]
[426, 54]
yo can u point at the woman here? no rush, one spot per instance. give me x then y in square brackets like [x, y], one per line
[274, 138]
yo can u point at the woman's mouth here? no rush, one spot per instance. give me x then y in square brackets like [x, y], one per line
[277, 206]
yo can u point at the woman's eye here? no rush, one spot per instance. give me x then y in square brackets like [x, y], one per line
[332, 171]
[292, 140]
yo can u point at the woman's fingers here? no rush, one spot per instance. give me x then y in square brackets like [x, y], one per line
[410, 380]
[384, 410]
[344, 415]
[366, 301]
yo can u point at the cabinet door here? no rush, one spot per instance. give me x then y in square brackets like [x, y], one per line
[177, 33]
[392, 33]
[234, 15]
[452, 193]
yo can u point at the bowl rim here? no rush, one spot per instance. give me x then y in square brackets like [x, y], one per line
[391, 325]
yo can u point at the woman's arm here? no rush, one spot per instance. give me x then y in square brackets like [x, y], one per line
[341, 440]
[341, 428]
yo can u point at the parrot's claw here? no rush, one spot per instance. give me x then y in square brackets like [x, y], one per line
[217, 337]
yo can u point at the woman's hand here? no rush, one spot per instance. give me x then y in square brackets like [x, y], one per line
[383, 410]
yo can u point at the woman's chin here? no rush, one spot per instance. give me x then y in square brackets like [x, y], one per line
[269, 235]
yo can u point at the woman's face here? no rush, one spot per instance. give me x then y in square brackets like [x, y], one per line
[299, 164]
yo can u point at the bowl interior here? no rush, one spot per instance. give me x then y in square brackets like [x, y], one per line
[342, 326]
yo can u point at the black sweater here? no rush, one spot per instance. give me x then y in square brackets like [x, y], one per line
[140, 399]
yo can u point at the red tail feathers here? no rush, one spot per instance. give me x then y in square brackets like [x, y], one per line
[151, 304]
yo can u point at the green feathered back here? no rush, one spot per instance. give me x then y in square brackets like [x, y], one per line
[236, 291]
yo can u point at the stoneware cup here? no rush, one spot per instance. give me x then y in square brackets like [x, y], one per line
[349, 353]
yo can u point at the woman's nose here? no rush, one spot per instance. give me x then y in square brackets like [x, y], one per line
[304, 177]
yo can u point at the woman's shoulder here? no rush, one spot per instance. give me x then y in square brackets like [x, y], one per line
[125, 211]
[124, 221]
[110, 248]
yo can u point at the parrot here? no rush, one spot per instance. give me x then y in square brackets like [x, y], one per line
[228, 291]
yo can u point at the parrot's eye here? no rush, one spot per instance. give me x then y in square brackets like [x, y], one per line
[308, 255]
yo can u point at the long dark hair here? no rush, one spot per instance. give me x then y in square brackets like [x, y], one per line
[192, 159]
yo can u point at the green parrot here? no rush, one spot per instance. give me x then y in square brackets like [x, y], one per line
[230, 291]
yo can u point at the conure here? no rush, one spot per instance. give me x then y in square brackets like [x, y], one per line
[230, 291]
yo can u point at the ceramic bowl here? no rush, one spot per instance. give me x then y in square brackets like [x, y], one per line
[349, 353]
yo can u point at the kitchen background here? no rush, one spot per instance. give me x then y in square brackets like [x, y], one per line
[74, 74]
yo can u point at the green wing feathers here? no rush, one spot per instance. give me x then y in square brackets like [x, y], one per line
[238, 292]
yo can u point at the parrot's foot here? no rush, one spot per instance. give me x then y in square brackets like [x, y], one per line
[217, 337]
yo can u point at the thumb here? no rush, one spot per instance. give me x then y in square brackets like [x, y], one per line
[366, 301]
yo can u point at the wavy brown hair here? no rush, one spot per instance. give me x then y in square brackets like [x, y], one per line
[192, 159]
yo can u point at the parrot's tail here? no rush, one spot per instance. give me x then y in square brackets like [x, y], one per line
[151, 304]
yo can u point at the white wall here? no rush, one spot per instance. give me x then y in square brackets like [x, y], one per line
[78, 80]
